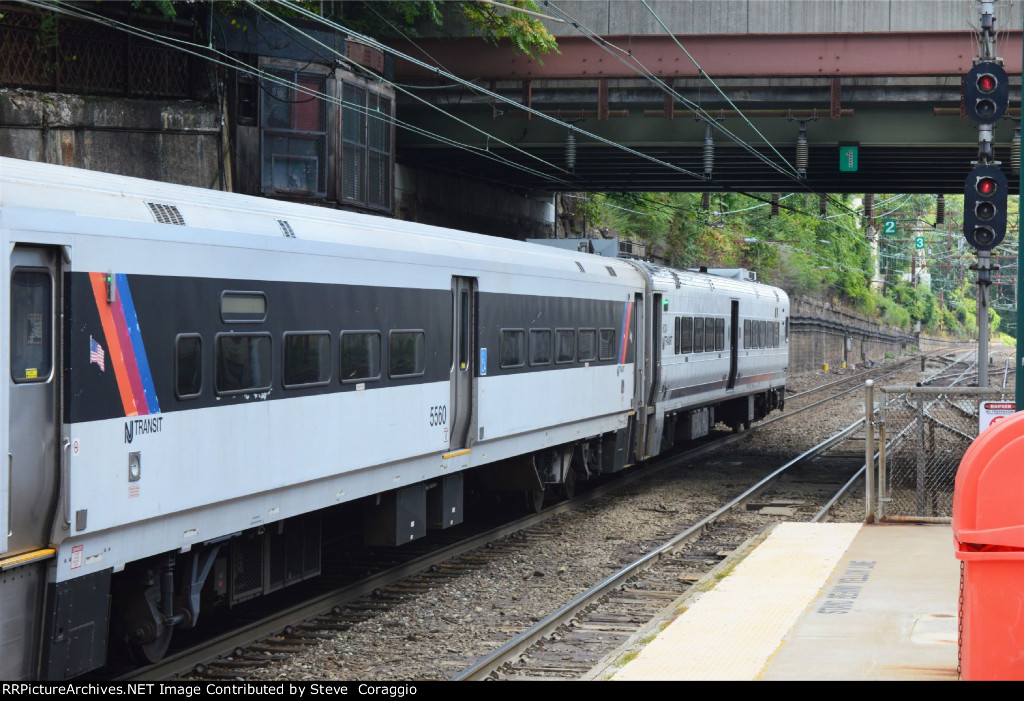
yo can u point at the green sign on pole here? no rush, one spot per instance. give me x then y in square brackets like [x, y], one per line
[919, 243]
[847, 159]
[889, 227]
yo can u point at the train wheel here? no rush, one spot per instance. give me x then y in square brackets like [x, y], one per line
[534, 500]
[153, 651]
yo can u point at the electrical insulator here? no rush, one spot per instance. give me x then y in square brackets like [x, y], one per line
[1015, 151]
[940, 209]
[570, 152]
[709, 151]
[705, 201]
[822, 204]
[801, 151]
[775, 204]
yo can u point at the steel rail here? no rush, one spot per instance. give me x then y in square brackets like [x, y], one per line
[513, 648]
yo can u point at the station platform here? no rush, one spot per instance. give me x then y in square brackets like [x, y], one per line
[816, 602]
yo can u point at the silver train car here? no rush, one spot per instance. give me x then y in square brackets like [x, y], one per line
[200, 382]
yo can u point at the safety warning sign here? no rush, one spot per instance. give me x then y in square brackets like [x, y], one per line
[991, 413]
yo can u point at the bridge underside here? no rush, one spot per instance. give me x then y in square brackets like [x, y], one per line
[909, 130]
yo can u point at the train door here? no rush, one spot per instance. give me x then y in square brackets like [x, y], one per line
[657, 334]
[34, 386]
[33, 455]
[463, 353]
[734, 349]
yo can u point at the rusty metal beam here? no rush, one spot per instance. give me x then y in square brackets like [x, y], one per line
[720, 55]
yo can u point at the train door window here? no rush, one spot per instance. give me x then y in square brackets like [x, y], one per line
[746, 333]
[360, 356]
[698, 335]
[406, 353]
[785, 327]
[719, 334]
[607, 351]
[31, 325]
[675, 336]
[565, 345]
[540, 346]
[307, 359]
[512, 349]
[188, 366]
[243, 363]
[686, 334]
[586, 345]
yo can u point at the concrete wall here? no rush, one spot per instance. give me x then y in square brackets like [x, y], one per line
[168, 140]
[823, 334]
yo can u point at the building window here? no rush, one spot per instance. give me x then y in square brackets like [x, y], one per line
[293, 131]
[366, 145]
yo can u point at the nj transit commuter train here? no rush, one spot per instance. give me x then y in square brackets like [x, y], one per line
[197, 380]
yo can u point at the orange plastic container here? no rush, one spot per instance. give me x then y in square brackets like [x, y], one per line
[988, 533]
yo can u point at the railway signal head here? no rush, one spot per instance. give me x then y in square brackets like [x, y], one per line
[985, 192]
[986, 92]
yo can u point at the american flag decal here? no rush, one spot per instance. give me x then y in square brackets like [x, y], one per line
[96, 353]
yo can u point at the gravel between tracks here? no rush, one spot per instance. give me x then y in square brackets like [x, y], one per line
[437, 634]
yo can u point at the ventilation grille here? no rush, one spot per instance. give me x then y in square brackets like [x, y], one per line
[611, 270]
[580, 266]
[286, 228]
[166, 213]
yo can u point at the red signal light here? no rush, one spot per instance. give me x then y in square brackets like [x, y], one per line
[986, 82]
[986, 186]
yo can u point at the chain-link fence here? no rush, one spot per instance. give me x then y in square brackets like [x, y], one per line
[922, 434]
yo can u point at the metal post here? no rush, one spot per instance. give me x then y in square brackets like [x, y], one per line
[869, 450]
[919, 502]
[984, 280]
[880, 488]
[1019, 394]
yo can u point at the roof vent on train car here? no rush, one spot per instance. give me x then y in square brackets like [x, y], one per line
[580, 266]
[166, 213]
[286, 228]
[611, 270]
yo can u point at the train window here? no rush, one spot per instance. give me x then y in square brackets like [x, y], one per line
[540, 346]
[709, 334]
[586, 345]
[686, 334]
[719, 334]
[243, 307]
[764, 334]
[32, 326]
[243, 363]
[607, 350]
[565, 345]
[512, 349]
[775, 334]
[675, 336]
[746, 333]
[360, 356]
[698, 335]
[188, 366]
[307, 359]
[406, 353]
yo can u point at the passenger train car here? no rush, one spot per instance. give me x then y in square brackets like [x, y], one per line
[197, 382]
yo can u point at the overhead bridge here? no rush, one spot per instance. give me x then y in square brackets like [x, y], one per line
[713, 95]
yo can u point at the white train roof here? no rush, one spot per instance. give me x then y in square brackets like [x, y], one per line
[39, 186]
[669, 279]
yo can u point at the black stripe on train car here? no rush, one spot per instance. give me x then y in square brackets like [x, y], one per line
[167, 307]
